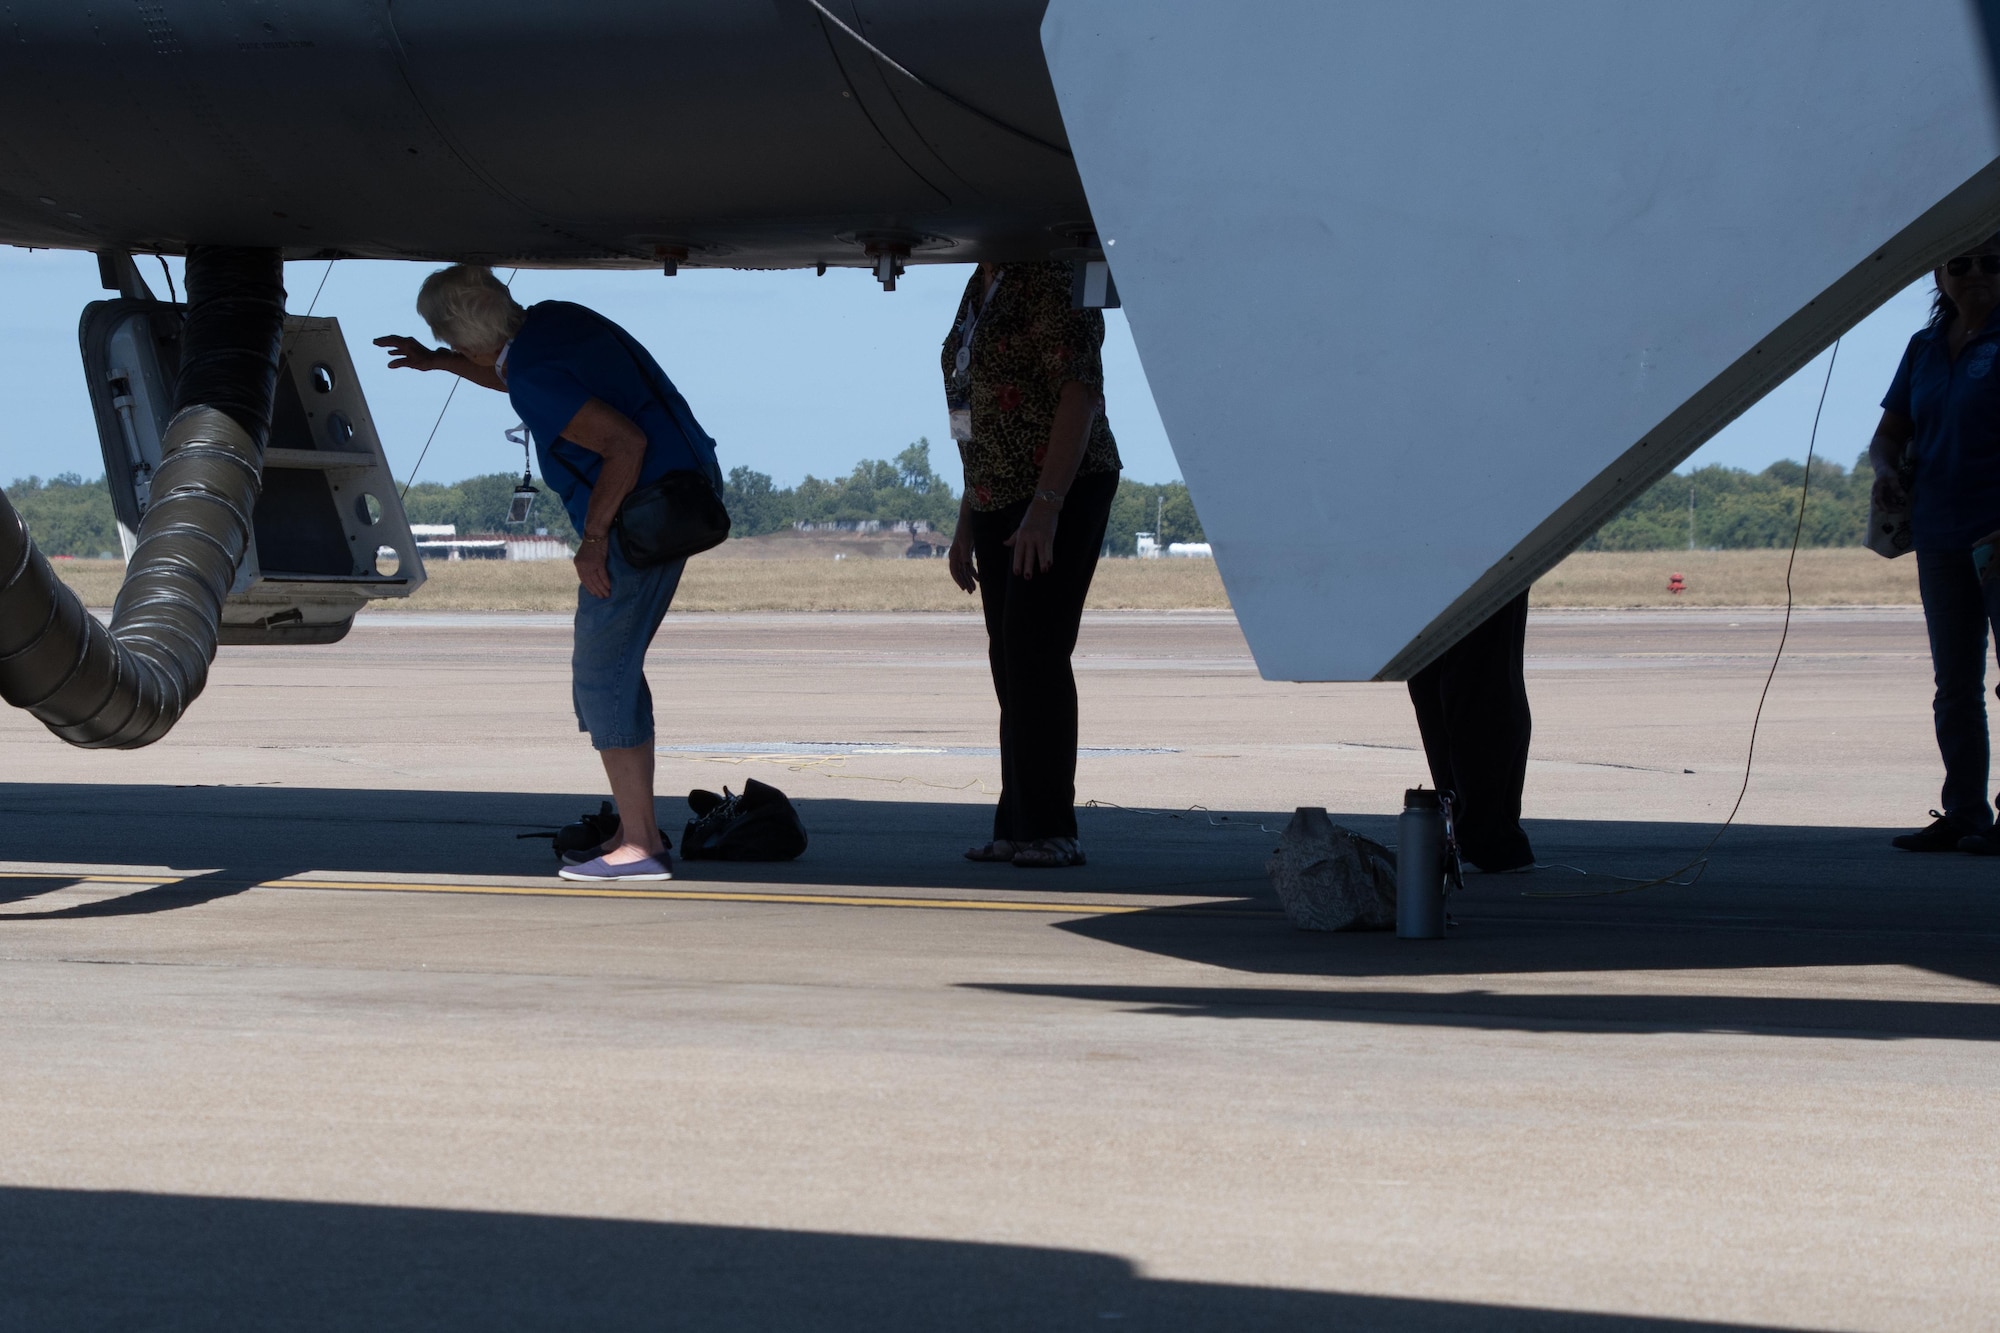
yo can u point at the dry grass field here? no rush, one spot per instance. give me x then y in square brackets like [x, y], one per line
[1839, 576]
[96, 581]
[719, 583]
[715, 583]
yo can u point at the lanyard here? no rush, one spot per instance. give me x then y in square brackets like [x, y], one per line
[973, 314]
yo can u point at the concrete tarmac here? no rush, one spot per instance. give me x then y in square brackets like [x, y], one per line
[295, 1032]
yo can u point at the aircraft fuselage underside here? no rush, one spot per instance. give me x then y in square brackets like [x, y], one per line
[703, 132]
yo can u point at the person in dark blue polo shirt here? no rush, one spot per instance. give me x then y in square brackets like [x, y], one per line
[1940, 436]
[605, 419]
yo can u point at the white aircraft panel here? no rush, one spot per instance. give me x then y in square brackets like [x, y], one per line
[1426, 291]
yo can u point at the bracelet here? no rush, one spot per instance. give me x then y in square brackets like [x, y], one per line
[585, 541]
[1052, 497]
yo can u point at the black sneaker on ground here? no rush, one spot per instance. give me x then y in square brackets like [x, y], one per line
[1980, 844]
[1943, 835]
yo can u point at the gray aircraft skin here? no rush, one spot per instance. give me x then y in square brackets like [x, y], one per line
[601, 133]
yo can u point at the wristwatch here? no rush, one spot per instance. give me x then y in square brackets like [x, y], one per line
[1053, 497]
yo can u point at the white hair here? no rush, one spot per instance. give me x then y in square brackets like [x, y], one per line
[468, 308]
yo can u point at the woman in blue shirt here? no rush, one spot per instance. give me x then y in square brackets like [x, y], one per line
[1941, 419]
[605, 418]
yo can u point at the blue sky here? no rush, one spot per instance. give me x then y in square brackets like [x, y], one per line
[790, 372]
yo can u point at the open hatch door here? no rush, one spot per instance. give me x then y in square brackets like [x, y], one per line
[330, 530]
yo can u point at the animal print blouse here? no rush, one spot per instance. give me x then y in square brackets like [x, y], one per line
[1026, 344]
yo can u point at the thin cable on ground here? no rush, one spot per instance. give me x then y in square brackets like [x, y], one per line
[825, 768]
[1700, 863]
[930, 87]
[1208, 816]
[425, 451]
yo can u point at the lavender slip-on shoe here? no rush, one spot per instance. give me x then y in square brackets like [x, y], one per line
[600, 870]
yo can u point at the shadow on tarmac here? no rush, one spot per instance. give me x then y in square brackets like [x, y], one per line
[240, 836]
[87, 1259]
[1764, 1016]
[1772, 897]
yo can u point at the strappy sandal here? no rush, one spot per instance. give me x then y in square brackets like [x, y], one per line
[1049, 854]
[1000, 849]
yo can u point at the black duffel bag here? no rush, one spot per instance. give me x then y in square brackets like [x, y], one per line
[759, 825]
[671, 519]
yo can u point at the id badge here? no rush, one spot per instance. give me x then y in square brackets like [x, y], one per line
[961, 424]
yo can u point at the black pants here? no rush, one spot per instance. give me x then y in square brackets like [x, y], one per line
[1957, 610]
[1472, 708]
[1031, 629]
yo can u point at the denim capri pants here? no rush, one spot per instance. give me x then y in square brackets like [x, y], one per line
[608, 669]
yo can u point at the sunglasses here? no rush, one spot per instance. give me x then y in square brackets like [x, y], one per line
[1959, 267]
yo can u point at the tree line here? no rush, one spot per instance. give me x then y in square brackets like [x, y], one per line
[71, 516]
[1733, 509]
[903, 489]
[909, 488]
[67, 515]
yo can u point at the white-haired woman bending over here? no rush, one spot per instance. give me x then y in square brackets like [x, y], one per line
[605, 419]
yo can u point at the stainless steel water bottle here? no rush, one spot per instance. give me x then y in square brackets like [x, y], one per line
[1420, 867]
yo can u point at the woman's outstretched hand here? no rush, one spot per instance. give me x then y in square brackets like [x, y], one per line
[409, 352]
[959, 559]
[1034, 542]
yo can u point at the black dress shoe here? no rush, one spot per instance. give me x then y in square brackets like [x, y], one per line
[1944, 835]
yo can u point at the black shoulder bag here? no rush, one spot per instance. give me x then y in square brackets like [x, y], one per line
[669, 519]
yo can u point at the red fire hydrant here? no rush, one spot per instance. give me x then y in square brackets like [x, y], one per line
[1676, 584]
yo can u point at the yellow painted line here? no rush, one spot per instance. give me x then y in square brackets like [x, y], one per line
[91, 879]
[692, 895]
[711, 896]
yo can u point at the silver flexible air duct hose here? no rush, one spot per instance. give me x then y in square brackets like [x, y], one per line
[126, 686]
